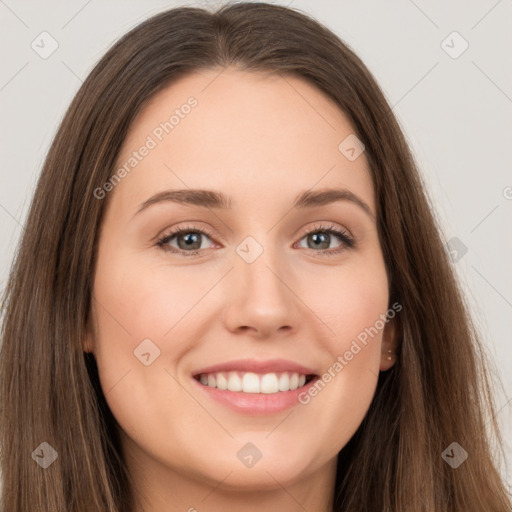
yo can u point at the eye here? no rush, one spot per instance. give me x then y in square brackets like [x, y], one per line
[321, 236]
[189, 240]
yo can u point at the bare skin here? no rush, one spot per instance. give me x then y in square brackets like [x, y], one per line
[261, 141]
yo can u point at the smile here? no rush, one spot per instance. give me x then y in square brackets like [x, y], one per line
[250, 382]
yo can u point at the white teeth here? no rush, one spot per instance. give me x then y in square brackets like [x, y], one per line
[234, 382]
[269, 384]
[222, 382]
[250, 382]
[284, 382]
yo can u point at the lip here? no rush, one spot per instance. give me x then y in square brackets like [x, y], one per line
[255, 404]
[255, 366]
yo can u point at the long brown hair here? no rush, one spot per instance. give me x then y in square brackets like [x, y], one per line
[438, 392]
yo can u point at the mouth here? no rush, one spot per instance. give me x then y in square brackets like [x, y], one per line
[254, 387]
[255, 383]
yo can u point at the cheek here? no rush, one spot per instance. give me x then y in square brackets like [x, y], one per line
[143, 301]
[352, 304]
[134, 310]
[351, 301]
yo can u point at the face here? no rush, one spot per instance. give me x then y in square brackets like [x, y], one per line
[264, 295]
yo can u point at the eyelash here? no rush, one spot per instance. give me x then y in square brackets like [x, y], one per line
[346, 239]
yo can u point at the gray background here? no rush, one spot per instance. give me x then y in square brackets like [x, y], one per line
[456, 113]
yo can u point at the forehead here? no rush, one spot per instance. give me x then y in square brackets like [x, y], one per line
[245, 133]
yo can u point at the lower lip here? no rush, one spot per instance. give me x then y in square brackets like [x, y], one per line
[256, 403]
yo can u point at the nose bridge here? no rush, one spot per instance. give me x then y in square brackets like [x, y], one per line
[260, 263]
[260, 297]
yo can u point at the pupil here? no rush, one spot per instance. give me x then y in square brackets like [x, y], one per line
[190, 239]
[316, 238]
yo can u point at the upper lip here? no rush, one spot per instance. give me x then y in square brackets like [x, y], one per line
[253, 365]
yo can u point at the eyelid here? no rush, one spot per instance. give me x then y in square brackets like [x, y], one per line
[162, 239]
[348, 240]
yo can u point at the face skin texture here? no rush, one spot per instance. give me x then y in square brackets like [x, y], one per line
[260, 140]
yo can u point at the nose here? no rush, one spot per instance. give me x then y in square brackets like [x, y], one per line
[260, 298]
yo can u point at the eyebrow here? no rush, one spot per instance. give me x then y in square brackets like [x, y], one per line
[217, 200]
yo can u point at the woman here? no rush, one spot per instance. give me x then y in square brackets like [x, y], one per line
[311, 352]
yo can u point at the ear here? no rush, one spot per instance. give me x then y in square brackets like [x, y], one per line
[88, 344]
[389, 344]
